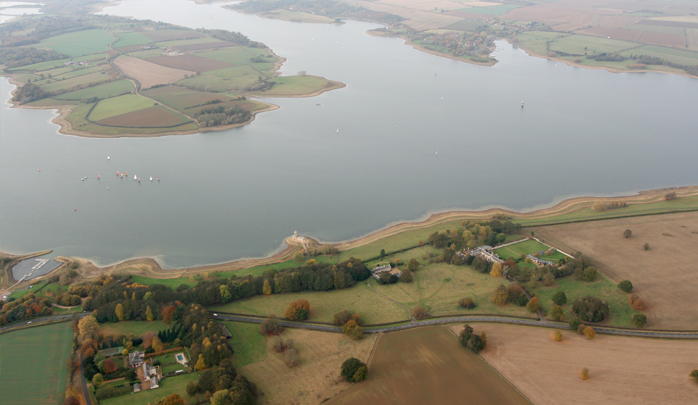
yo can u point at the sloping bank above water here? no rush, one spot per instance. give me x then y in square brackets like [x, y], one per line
[408, 234]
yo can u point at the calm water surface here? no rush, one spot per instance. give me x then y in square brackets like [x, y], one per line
[239, 193]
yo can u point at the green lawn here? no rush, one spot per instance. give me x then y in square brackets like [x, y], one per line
[119, 105]
[138, 328]
[20, 294]
[621, 311]
[323, 305]
[172, 367]
[78, 43]
[169, 385]
[248, 344]
[101, 91]
[33, 366]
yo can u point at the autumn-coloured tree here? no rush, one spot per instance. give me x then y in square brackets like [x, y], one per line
[172, 399]
[200, 364]
[149, 314]
[557, 336]
[291, 358]
[584, 374]
[580, 328]
[637, 302]
[590, 332]
[420, 312]
[298, 310]
[109, 366]
[87, 328]
[157, 344]
[124, 352]
[557, 314]
[466, 303]
[413, 264]
[97, 380]
[167, 313]
[353, 329]
[501, 295]
[266, 288]
[119, 312]
[350, 367]
[533, 305]
[406, 276]
[496, 270]
[548, 279]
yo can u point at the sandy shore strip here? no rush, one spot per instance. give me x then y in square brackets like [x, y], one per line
[151, 268]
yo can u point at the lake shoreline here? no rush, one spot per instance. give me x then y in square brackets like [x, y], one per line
[149, 267]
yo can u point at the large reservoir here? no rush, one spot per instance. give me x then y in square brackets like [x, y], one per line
[411, 134]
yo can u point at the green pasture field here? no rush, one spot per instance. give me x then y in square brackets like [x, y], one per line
[575, 44]
[41, 66]
[119, 105]
[182, 98]
[239, 55]
[75, 81]
[323, 305]
[78, 121]
[101, 91]
[22, 293]
[297, 16]
[492, 10]
[33, 360]
[131, 38]
[249, 345]
[72, 72]
[169, 385]
[228, 79]
[537, 41]
[249, 105]
[78, 43]
[672, 55]
[621, 312]
[148, 53]
[439, 286]
[290, 85]
[466, 24]
[164, 35]
[204, 40]
[138, 328]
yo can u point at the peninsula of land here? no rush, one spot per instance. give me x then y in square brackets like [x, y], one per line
[113, 77]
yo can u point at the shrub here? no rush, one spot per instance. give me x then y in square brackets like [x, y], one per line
[470, 340]
[627, 233]
[406, 276]
[298, 310]
[557, 336]
[279, 345]
[590, 309]
[557, 314]
[585, 374]
[589, 274]
[466, 303]
[639, 320]
[271, 326]
[420, 312]
[342, 317]
[694, 374]
[192, 388]
[590, 332]
[360, 374]
[559, 298]
[626, 286]
[501, 295]
[670, 196]
[580, 329]
[350, 367]
[548, 279]
[574, 323]
[646, 246]
[291, 358]
[353, 329]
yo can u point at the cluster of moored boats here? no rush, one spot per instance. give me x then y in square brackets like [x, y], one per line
[135, 177]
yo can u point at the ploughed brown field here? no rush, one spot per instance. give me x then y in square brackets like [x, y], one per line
[665, 277]
[657, 38]
[189, 62]
[427, 366]
[156, 116]
[147, 73]
[615, 33]
[621, 370]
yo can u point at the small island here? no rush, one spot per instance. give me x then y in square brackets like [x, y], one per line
[112, 76]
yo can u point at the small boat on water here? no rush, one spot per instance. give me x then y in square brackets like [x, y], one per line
[151, 178]
[158, 179]
[122, 176]
[108, 158]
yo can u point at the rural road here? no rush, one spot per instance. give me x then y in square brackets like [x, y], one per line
[470, 318]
